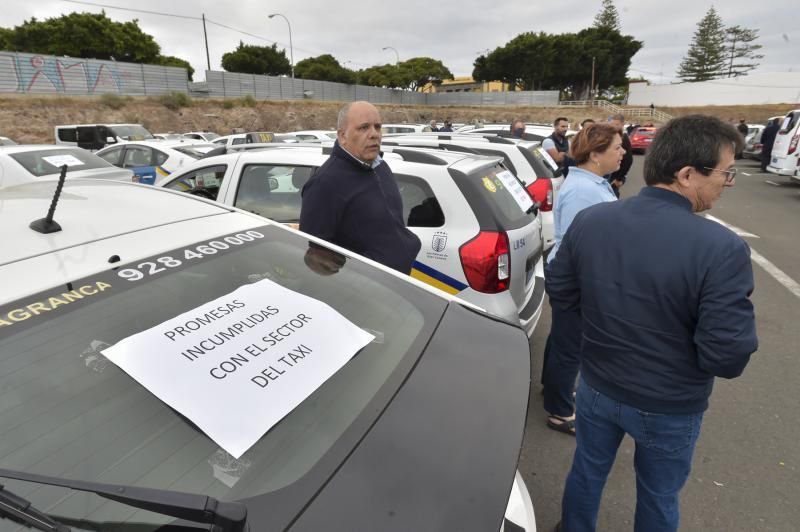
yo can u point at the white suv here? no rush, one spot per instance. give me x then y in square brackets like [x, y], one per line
[151, 317]
[477, 241]
[526, 159]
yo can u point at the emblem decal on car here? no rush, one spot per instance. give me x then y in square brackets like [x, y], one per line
[439, 241]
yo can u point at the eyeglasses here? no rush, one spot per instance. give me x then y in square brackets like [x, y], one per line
[730, 175]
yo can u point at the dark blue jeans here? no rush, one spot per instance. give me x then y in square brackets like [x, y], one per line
[663, 458]
[562, 359]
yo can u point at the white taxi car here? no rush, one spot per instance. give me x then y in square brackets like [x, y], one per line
[525, 158]
[479, 239]
[107, 419]
[37, 162]
[149, 159]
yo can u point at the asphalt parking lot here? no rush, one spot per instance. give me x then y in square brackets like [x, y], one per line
[746, 470]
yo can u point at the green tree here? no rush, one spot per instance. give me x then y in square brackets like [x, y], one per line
[6, 36]
[324, 68]
[608, 17]
[381, 76]
[419, 71]
[706, 56]
[89, 35]
[249, 59]
[168, 60]
[560, 62]
[740, 50]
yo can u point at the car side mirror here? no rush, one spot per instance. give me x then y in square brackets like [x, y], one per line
[273, 184]
[110, 140]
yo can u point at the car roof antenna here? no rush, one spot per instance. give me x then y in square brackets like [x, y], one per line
[47, 225]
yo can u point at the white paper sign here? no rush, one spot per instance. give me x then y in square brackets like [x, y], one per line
[237, 365]
[513, 185]
[61, 160]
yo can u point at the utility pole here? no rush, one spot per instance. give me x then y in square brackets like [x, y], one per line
[205, 35]
[591, 87]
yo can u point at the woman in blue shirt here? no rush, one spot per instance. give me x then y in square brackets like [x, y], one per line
[597, 150]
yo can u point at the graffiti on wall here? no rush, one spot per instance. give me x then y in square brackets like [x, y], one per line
[47, 74]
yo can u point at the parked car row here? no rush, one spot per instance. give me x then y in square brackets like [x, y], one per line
[215, 225]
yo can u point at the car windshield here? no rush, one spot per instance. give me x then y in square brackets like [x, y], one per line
[68, 411]
[47, 162]
[131, 132]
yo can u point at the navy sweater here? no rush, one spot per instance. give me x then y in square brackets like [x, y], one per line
[350, 204]
[664, 300]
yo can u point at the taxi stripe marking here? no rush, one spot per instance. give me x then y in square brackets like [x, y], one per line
[435, 278]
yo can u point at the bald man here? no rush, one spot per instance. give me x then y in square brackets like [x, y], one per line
[353, 200]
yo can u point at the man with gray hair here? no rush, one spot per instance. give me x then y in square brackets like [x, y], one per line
[353, 200]
[664, 299]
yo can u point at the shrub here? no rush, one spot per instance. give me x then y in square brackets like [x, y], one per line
[228, 104]
[247, 100]
[113, 101]
[175, 100]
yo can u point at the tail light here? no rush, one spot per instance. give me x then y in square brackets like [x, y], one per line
[793, 143]
[541, 191]
[487, 262]
[757, 146]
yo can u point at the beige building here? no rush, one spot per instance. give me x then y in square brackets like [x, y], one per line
[466, 84]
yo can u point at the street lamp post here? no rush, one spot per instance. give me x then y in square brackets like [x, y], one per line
[291, 51]
[395, 53]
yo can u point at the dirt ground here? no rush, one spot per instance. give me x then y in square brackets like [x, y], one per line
[31, 119]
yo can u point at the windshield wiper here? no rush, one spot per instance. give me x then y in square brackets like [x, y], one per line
[21, 509]
[229, 516]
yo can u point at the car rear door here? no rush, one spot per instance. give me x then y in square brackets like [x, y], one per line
[783, 140]
[489, 192]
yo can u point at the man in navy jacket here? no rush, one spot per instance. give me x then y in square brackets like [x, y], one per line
[353, 200]
[664, 299]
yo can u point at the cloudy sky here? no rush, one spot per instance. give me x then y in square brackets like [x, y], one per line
[453, 31]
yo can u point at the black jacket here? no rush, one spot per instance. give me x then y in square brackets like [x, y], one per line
[768, 137]
[664, 300]
[350, 204]
[627, 161]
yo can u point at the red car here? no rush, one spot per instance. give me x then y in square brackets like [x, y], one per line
[641, 138]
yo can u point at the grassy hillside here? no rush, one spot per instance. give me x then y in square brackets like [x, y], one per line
[31, 119]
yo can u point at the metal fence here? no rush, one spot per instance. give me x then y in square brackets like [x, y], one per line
[233, 85]
[46, 74]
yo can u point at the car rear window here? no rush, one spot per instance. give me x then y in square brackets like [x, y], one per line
[68, 411]
[192, 151]
[645, 132]
[131, 132]
[789, 122]
[494, 206]
[535, 157]
[47, 162]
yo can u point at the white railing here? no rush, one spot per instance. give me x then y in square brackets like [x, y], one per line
[655, 114]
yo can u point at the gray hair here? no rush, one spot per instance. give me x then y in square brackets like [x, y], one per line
[617, 116]
[341, 120]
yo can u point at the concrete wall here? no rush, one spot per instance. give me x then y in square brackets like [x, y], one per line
[781, 87]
